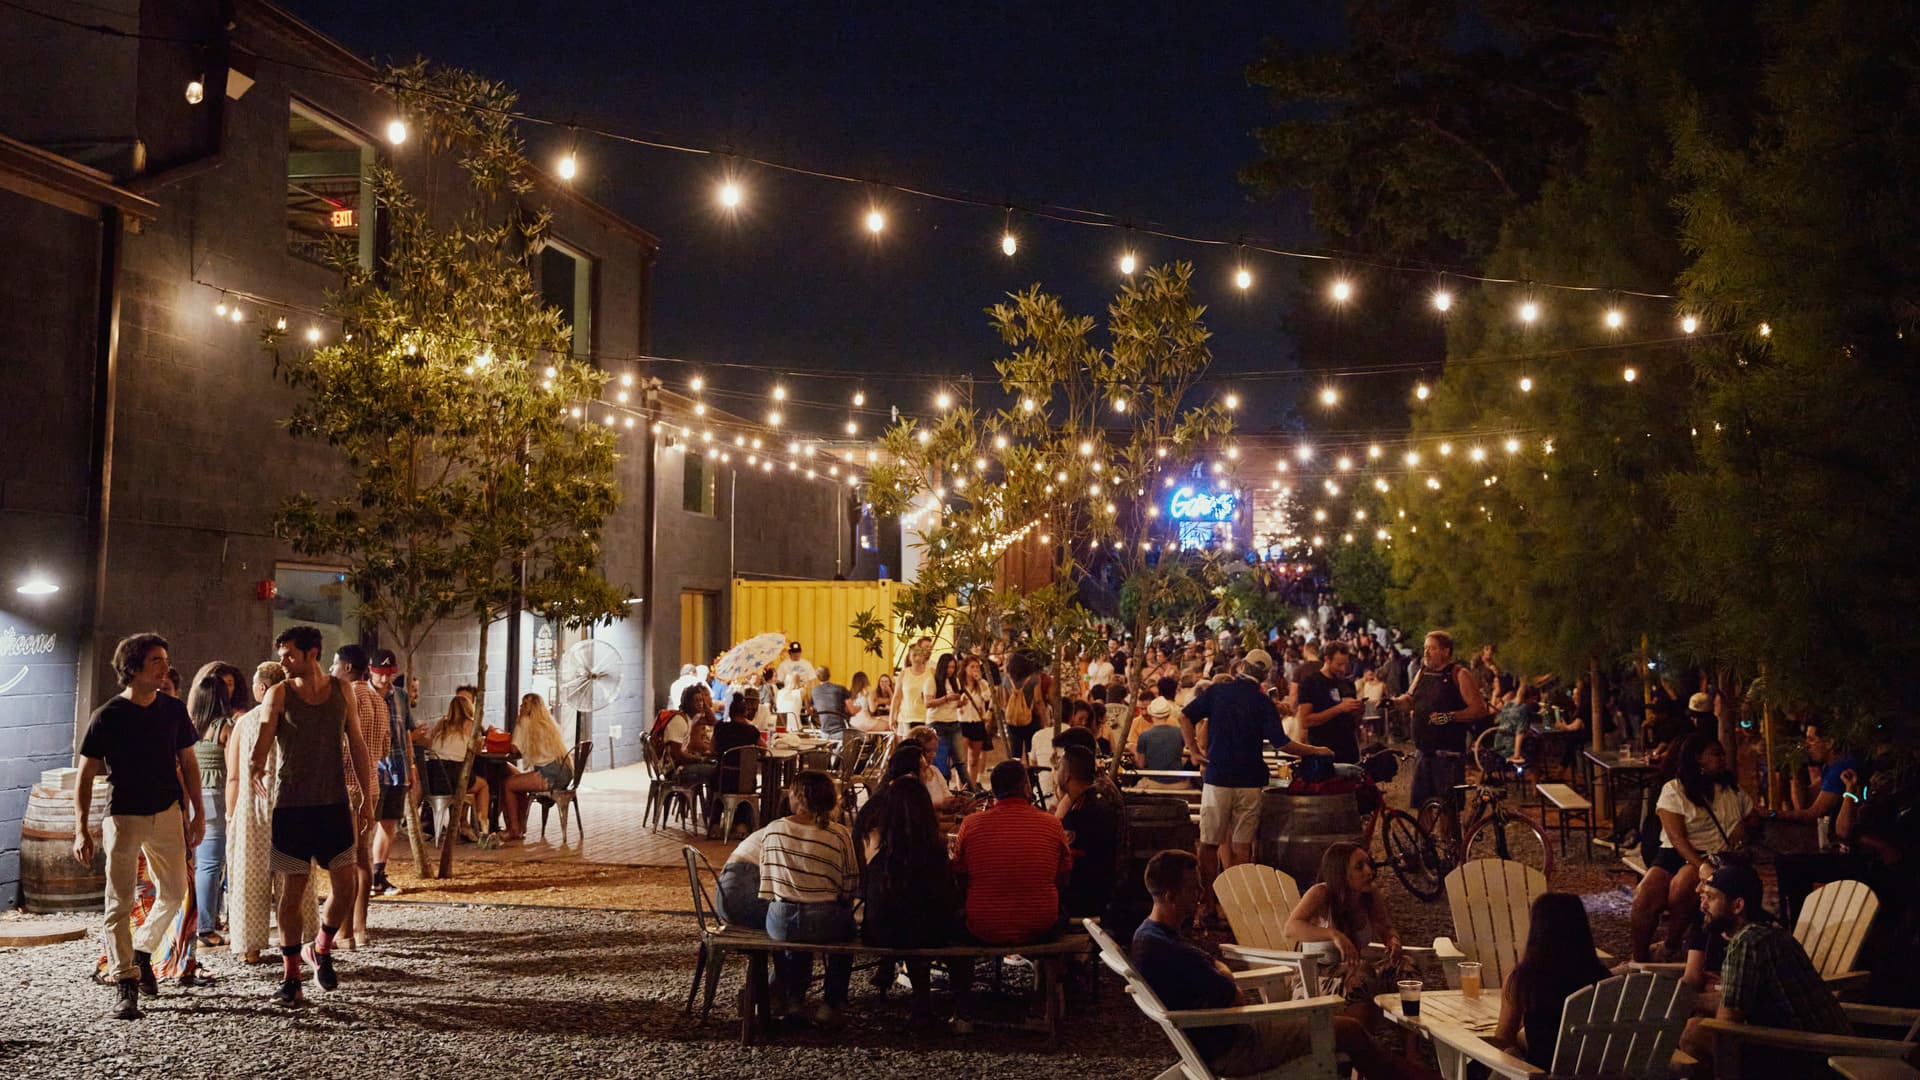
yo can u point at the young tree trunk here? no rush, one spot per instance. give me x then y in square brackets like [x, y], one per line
[466, 764]
[414, 839]
[1593, 702]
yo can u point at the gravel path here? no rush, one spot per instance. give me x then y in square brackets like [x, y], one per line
[461, 991]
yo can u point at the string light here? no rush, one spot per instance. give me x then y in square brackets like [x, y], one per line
[1127, 263]
[1422, 391]
[773, 418]
[730, 195]
[1478, 453]
[1689, 324]
[1008, 242]
[779, 392]
[1526, 384]
[570, 162]
[1513, 446]
[1329, 397]
[220, 309]
[943, 401]
[876, 221]
[697, 383]
[1442, 301]
[1341, 291]
[1413, 457]
[1304, 453]
[1345, 464]
[1120, 405]
[1243, 278]
[999, 442]
[396, 131]
[1027, 405]
[1529, 312]
[1615, 319]
[313, 334]
[1446, 449]
[859, 398]
[196, 91]
[1630, 374]
[1231, 401]
[1374, 452]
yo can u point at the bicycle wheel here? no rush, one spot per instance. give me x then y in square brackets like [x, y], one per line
[1440, 820]
[1410, 853]
[1506, 834]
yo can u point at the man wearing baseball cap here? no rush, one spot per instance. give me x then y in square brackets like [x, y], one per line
[1240, 716]
[395, 769]
[1766, 978]
[795, 677]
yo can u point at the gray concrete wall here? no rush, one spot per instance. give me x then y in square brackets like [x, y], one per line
[48, 267]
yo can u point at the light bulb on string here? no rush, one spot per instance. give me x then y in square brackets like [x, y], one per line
[1477, 453]
[220, 309]
[1231, 401]
[1341, 290]
[196, 91]
[1689, 324]
[1120, 405]
[1374, 452]
[1027, 404]
[1512, 446]
[1526, 384]
[876, 221]
[773, 418]
[1329, 397]
[569, 166]
[1766, 329]
[1442, 301]
[1344, 464]
[730, 194]
[999, 442]
[1615, 318]
[1529, 312]
[1630, 374]
[779, 392]
[1243, 278]
[853, 428]
[1008, 242]
[313, 334]
[859, 398]
[396, 131]
[1128, 263]
[943, 401]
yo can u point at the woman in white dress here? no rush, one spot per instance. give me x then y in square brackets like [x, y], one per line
[250, 879]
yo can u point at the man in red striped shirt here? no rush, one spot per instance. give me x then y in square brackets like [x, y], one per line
[1013, 859]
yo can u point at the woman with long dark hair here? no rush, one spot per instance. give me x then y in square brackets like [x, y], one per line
[1702, 813]
[1560, 960]
[218, 696]
[943, 715]
[906, 880]
[977, 713]
[1339, 917]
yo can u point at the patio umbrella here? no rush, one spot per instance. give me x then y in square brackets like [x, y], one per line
[750, 656]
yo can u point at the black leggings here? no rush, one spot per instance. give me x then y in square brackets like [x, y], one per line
[1020, 741]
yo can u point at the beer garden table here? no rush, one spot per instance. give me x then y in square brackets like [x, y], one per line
[1455, 1024]
[1617, 776]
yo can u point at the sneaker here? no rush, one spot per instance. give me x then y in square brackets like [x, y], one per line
[323, 972]
[127, 1005]
[289, 993]
[149, 985]
[386, 888]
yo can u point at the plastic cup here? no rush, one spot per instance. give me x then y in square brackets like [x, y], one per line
[1469, 979]
[1410, 996]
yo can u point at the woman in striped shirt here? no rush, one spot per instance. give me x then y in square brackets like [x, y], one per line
[808, 872]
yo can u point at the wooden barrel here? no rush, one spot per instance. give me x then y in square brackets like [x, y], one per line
[1295, 830]
[1154, 823]
[50, 880]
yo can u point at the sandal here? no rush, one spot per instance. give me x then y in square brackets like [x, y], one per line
[213, 939]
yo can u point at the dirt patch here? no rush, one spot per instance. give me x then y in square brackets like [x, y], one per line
[582, 885]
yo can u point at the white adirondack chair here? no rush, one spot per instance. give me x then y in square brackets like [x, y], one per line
[1492, 901]
[1832, 925]
[1317, 1064]
[1257, 901]
[1747, 1050]
[1626, 1027]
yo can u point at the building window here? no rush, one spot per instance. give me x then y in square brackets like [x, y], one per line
[699, 628]
[329, 188]
[696, 490]
[311, 596]
[566, 282]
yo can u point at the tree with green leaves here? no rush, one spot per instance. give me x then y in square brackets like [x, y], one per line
[475, 483]
[1076, 462]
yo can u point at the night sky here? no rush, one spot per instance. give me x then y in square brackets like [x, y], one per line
[1145, 116]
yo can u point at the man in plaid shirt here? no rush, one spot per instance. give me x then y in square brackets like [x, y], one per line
[1766, 979]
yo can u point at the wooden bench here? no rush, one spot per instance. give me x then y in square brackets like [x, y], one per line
[1049, 961]
[1564, 809]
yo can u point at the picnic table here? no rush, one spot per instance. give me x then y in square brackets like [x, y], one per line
[779, 764]
[1618, 775]
[1453, 1022]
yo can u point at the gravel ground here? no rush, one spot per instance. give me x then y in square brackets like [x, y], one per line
[559, 992]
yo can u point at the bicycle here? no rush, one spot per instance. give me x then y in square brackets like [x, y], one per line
[1488, 829]
[1408, 847]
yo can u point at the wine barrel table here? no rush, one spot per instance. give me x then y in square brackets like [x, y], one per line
[50, 880]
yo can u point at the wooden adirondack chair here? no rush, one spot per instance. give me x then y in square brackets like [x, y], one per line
[1627, 1027]
[1257, 901]
[1832, 925]
[1317, 1064]
[1747, 1050]
[1492, 901]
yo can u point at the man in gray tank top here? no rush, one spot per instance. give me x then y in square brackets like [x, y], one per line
[307, 716]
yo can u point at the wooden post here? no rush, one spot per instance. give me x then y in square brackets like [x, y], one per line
[1602, 804]
[1766, 735]
[1646, 693]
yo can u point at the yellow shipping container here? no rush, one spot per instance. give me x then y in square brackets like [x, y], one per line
[819, 615]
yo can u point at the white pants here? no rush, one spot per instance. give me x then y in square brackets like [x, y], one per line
[162, 837]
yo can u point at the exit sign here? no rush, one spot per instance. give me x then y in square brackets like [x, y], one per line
[342, 219]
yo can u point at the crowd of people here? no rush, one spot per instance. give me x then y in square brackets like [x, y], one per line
[233, 796]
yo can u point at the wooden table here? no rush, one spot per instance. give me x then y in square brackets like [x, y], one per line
[1616, 777]
[1458, 1027]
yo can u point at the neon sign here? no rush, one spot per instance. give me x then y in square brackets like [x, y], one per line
[1190, 505]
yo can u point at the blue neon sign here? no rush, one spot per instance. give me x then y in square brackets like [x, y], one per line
[1190, 505]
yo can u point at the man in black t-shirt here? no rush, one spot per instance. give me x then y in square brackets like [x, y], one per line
[143, 741]
[1330, 707]
[1091, 818]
